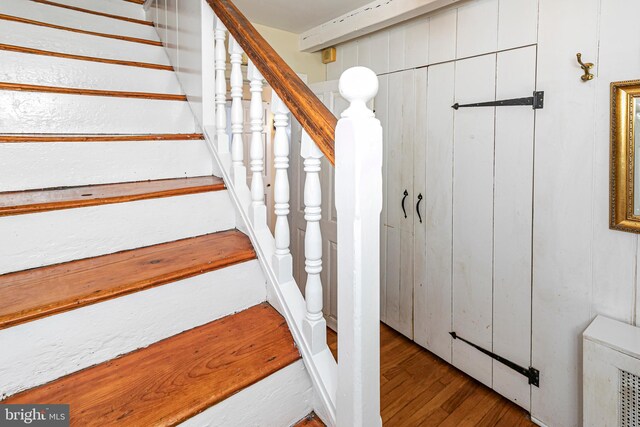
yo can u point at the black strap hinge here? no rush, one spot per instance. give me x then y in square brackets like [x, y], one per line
[536, 101]
[531, 373]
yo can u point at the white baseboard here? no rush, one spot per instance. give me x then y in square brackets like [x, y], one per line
[538, 422]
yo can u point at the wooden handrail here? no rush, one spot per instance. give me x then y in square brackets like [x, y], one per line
[315, 118]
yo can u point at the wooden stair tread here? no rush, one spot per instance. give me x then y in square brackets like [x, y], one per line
[40, 292]
[175, 379]
[22, 138]
[31, 201]
[20, 87]
[12, 18]
[32, 51]
[311, 420]
[93, 12]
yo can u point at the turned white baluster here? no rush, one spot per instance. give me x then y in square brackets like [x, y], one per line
[314, 326]
[238, 171]
[257, 210]
[222, 137]
[282, 260]
[358, 204]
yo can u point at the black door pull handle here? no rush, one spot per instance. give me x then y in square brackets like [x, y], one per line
[406, 193]
[418, 207]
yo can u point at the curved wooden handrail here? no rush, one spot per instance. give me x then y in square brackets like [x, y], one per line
[315, 118]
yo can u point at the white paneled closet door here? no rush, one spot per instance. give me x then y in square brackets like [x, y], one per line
[513, 216]
[400, 200]
[433, 289]
[475, 81]
[475, 276]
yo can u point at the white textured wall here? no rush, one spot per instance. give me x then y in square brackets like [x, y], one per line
[581, 268]
[186, 29]
[286, 45]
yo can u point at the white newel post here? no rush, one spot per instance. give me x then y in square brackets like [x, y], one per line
[282, 260]
[358, 188]
[257, 210]
[238, 171]
[314, 326]
[222, 138]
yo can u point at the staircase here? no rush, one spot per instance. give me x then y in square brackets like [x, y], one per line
[126, 289]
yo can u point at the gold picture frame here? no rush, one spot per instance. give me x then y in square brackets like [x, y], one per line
[624, 209]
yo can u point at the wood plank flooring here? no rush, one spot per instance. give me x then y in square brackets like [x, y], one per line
[420, 389]
[175, 379]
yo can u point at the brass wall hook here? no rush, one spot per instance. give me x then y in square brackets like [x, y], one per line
[586, 67]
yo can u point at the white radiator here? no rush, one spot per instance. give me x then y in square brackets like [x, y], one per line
[611, 373]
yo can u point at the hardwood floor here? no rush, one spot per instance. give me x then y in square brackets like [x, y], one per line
[419, 389]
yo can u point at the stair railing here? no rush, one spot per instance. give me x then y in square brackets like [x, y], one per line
[350, 388]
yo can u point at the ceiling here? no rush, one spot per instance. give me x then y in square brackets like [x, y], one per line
[295, 16]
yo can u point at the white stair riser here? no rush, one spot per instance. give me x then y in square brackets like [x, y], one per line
[25, 166]
[43, 38]
[114, 7]
[281, 399]
[61, 72]
[40, 351]
[75, 19]
[39, 239]
[33, 112]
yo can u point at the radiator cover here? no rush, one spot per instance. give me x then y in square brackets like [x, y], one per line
[629, 399]
[611, 374]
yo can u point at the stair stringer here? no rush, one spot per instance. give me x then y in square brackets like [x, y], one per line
[284, 297]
